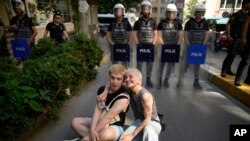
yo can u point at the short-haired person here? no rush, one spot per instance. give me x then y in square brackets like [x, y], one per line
[101, 128]
[119, 30]
[23, 25]
[146, 125]
[56, 29]
[170, 33]
[245, 50]
[234, 34]
[196, 32]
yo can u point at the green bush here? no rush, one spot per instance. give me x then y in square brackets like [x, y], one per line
[39, 88]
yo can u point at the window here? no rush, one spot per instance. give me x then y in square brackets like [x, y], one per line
[42, 11]
[163, 10]
[153, 1]
[238, 4]
[229, 3]
[154, 10]
[222, 4]
[167, 1]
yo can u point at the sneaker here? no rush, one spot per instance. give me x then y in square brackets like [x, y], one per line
[230, 73]
[76, 139]
[197, 85]
[237, 84]
[247, 82]
[223, 74]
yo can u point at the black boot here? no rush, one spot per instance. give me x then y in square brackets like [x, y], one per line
[149, 82]
[197, 84]
[165, 83]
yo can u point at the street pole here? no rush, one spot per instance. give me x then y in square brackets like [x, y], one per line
[233, 6]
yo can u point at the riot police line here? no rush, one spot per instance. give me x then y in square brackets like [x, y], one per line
[168, 35]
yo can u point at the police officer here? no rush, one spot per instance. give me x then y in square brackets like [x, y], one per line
[57, 29]
[22, 25]
[245, 54]
[145, 33]
[196, 32]
[171, 34]
[119, 30]
[234, 31]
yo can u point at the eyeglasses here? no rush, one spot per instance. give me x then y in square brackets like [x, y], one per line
[57, 17]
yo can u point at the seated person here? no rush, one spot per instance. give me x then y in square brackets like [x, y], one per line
[116, 105]
[146, 126]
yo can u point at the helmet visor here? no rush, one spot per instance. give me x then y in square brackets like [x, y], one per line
[146, 8]
[118, 12]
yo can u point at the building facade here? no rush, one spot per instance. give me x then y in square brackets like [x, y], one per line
[159, 6]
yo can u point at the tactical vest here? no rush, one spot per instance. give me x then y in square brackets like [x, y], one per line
[119, 33]
[197, 31]
[23, 29]
[145, 33]
[170, 33]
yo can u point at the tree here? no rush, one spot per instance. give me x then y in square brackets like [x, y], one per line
[106, 6]
[189, 9]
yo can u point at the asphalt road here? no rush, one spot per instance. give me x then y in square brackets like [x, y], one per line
[191, 115]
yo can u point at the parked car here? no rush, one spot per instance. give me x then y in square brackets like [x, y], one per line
[221, 41]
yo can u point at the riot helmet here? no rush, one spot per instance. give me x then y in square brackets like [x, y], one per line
[146, 7]
[171, 11]
[119, 10]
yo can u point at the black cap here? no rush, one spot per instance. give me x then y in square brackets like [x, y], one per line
[57, 13]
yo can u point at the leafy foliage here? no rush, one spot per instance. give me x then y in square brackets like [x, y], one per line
[106, 6]
[39, 88]
[189, 9]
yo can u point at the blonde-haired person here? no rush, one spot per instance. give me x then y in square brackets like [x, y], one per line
[102, 127]
[146, 125]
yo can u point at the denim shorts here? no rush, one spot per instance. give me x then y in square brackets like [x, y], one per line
[118, 129]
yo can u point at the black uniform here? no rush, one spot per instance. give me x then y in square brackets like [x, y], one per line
[245, 55]
[145, 34]
[56, 31]
[196, 34]
[24, 27]
[236, 24]
[170, 35]
[119, 35]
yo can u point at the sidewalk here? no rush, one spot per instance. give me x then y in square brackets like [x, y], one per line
[213, 67]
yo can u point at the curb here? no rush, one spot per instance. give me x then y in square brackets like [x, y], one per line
[226, 84]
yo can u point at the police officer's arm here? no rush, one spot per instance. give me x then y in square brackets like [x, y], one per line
[108, 35]
[33, 27]
[45, 35]
[129, 29]
[147, 104]
[160, 28]
[228, 27]
[65, 33]
[119, 106]
[186, 29]
[155, 33]
[134, 34]
[245, 30]
[180, 34]
[206, 28]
